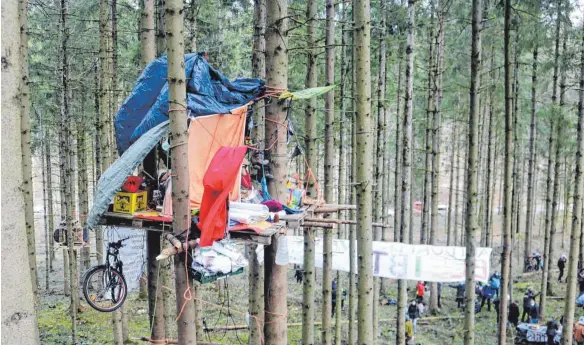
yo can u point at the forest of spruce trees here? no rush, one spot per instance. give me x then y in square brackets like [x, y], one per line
[451, 123]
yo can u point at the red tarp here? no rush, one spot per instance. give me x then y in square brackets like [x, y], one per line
[219, 179]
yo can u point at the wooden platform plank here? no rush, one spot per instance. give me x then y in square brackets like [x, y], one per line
[244, 236]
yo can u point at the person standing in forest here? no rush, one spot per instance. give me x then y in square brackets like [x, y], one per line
[420, 289]
[561, 265]
[527, 299]
[514, 313]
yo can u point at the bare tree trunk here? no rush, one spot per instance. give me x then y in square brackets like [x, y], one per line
[256, 273]
[25, 143]
[531, 170]
[557, 161]
[329, 173]
[104, 158]
[552, 143]
[426, 206]
[66, 167]
[160, 28]
[363, 147]
[82, 189]
[398, 153]
[379, 167]
[506, 279]
[147, 39]
[44, 175]
[451, 188]
[179, 160]
[406, 165]
[308, 303]
[567, 180]
[576, 234]
[343, 148]
[436, 141]
[156, 302]
[192, 29]
[353, 198]
[16, 300]
[471, 173]
[275, 283]
[457, 183]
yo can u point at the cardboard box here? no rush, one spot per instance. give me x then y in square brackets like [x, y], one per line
[130, 203]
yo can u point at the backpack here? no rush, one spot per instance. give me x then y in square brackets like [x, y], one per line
[412, 310]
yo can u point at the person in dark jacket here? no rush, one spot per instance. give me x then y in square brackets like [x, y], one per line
[533, 312]
[551, 332]
[460, 290]
[298, 275]
[414, 313]
[487, 293]
[514, 313]
[527, 298]
[439, 295]
[497, 304]
[581, 282]
[561, 266]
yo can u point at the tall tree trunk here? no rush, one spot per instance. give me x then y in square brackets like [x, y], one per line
[160, 28]
[16, 300]
[114, 70]
[406, 165]
[457, 178]
[66, 166]
[104, 158]
[507, 217]
[256, 273]
[156, 302]
[82, 189]
[329, 173]
[487, 221]
[436, 133]
[471, 172]
[275, 283]
[398, 153]
[364, 174]
[452, 187]
[531, 170]
[380, 167]
[25, 143]
[552, 142]
[48, 237]
[576, 233]
[119, 316]
[147, 39]
[567, 180]
[426, 206]
[343, 195]
[193, 10]
[308, 291]
[179, 159]
[559, 145]
[353, 197]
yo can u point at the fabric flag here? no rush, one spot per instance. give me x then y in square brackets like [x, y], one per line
[219, 179]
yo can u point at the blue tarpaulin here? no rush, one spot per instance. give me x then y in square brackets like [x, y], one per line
[208, 92]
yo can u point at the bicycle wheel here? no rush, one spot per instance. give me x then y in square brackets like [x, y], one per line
[104, 289]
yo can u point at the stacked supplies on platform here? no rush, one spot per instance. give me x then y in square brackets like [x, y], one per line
[220, 260]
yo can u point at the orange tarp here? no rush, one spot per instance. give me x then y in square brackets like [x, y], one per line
[206, 135]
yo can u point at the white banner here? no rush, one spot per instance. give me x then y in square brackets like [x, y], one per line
[133, 253]
[401, 261]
